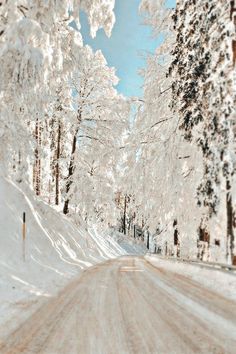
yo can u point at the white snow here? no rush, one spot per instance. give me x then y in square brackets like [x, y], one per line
[221, 282]
[56, 251]
[128, 243]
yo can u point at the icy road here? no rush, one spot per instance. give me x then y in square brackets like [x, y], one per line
[127, 305]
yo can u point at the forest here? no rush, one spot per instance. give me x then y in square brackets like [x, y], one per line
[160, 169]
[117, 176]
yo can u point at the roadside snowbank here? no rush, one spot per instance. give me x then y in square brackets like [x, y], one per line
[222, 282]
[129, 244]
[56, 251]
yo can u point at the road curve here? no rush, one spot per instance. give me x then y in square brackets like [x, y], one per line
[127, 305]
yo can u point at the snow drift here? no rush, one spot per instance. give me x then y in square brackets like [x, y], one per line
[56, 251]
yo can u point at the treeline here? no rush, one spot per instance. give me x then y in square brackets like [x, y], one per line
[61, 119]
[183, 165]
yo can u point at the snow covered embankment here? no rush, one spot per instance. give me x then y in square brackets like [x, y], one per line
[132, 246]
[56, 251]
[221, 282]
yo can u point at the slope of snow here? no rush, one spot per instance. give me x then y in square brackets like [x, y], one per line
[131, 245]
[56, 251]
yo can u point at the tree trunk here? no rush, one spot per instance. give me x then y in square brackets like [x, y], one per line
[124, 217]
[37, 163]
[57, 169]
[70, 173]
[52, 136]
[148, 240]
[230, 231]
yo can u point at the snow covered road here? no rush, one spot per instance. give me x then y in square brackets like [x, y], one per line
[127, 305]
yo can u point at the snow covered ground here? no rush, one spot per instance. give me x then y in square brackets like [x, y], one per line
[128, 243]
[221, 282]
[127, 305]
[56, 251]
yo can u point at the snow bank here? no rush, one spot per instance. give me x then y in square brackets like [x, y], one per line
[128, 243]
[56, 251]
[221, 282]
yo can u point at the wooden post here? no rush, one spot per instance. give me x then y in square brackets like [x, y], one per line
[23, 236]
[234, 51]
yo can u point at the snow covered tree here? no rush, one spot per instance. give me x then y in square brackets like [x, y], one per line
[161, 165]
[34, 43]
[204, 97]
[96, 176]
[93, 83]
[184, 131]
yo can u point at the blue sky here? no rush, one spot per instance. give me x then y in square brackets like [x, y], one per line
[126, 48]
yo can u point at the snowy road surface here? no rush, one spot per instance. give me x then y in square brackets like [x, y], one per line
[127, 305]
